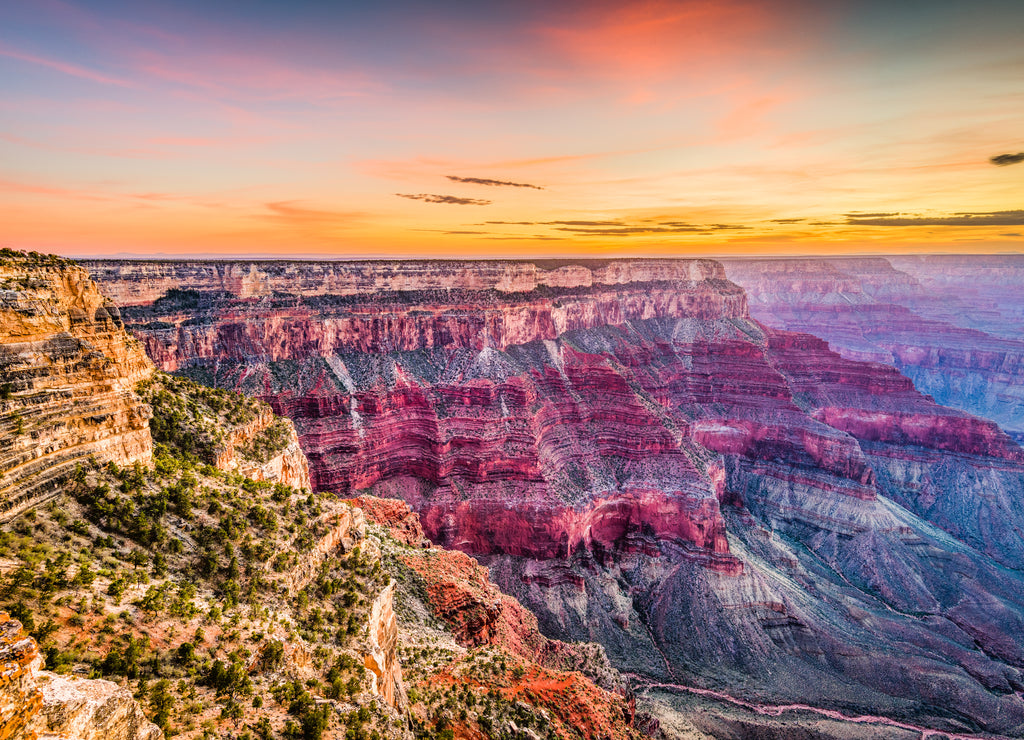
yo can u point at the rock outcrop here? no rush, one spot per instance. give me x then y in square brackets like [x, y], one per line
[382, 659]
[345, 525]
[90, 709]
[287, 466]
[20, 697]
[39, 704]
[644, 465]
[68, 373]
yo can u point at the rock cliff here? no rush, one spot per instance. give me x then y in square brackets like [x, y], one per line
[90, 709]
[643, 464]
[952, 325]
[39, 704]
[69, 370]
[283, 463]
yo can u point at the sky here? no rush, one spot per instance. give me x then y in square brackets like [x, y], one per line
[526, 129]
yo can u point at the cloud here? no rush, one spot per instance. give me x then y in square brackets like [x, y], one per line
[63, 67]
[630, 230]
[1004, 159]
[287, 212]
[786, 220]
[485, 181]
[992, 218]
[1012, 233]
[449, 199]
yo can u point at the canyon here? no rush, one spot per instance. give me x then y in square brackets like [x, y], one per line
[646, 463]
[951, 324]
[206, 466]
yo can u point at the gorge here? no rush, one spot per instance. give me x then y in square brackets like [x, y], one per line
[717, 501]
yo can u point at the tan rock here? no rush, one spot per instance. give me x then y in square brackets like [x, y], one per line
[382, 659]
[20, 699]
[68, 370]
[90, 709]
[347, 526]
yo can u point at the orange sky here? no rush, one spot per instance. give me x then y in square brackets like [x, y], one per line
[511, 130]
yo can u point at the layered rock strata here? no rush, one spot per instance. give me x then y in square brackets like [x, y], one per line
[68, 372]
[952, 325]
[711, 499]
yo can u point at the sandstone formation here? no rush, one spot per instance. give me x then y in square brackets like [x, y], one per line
[69, 369]
[20, 697]
[382, 659]
[288, 467]
[90, 709]
[644, 465]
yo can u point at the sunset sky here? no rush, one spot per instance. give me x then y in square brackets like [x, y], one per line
[511, 129]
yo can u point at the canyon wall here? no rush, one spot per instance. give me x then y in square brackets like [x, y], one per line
[142, 282]
[69, 371]
[645, 465]
[951, 324]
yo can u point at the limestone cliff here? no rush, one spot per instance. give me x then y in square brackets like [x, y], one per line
[68, 371]
[283, 463]
[344, 526]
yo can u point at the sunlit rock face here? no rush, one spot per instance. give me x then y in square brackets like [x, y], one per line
[69, 370]
[644, 465]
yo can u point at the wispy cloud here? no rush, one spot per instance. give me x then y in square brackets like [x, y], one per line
[991, 218]
[289, 212]
[1004, 159]
[447, 199]
[69, 69]
[496, 183]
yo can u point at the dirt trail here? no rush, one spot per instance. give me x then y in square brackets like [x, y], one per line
[775, 710]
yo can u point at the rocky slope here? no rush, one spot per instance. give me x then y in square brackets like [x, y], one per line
[716, 502]
[68, 370]
[952, 325]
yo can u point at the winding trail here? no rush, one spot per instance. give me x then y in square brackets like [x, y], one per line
[775, 710]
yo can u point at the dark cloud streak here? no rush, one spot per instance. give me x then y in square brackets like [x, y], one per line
[992, 218]
[446, 199]
[1002, 160]
[492, 183]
